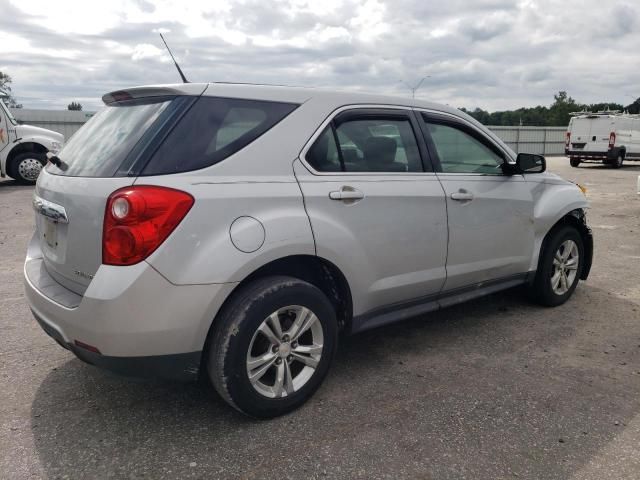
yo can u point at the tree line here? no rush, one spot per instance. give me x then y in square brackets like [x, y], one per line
[556, 115]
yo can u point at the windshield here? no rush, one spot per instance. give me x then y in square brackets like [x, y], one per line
[8, 112]
[102, 144]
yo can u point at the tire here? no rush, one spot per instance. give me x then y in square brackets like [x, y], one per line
[617, 162]
[24, 167]
[575, 162]
[557, 242]
[238, 335]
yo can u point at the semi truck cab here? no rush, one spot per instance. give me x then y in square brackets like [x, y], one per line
[23, 148]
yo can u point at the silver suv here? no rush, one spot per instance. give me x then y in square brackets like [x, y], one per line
[233, 231]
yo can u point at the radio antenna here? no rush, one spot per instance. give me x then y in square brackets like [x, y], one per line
[184, 79]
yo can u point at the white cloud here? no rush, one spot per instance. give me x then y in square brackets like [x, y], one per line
[493, 54]
[145, 50]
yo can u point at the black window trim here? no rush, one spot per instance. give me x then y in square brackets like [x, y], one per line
[354, 112]
[134, 163]
[252, 138]
[336, 140]
[425, 117]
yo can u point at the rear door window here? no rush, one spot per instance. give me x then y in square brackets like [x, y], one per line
[212, 130]
[367, 145]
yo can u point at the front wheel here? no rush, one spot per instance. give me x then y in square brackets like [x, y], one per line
[26, 167]
[559, 267]
[272, 346]
[575, 162]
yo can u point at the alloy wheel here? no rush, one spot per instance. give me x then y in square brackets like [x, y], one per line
[285, 351]
[565, 267]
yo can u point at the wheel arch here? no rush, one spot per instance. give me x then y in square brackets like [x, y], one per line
[313, 269]
[26, 147]
[577, 219]
[33, 147]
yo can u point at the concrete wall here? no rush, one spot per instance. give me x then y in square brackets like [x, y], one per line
[542, 140]
[65, 122]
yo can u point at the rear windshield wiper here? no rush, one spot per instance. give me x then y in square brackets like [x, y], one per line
[57, 161]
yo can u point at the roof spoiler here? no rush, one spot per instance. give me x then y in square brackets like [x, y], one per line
[192, 89]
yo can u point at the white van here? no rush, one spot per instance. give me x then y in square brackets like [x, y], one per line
[24, 148]
[607, 137]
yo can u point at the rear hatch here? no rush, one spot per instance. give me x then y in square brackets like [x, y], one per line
[601, 129]
[103, 156]
[141, 132]
[580, 129]
[591, 134]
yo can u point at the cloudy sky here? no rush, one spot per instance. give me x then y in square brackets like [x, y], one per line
[493, 54]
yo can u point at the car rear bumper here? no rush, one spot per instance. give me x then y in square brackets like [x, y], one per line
[586, 156]
[179, 366]
[138, 323]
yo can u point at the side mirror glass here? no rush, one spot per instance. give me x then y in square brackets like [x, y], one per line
[531, 163]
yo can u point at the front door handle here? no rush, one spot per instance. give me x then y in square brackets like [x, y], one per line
[462, 196]
[346, 193]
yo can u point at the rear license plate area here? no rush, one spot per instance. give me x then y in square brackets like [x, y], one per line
[50, 233]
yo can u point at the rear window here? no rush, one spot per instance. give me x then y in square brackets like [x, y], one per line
[213, 129]
[101, 145]
[162, 135]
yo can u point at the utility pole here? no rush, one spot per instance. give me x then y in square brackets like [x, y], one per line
[415, 87]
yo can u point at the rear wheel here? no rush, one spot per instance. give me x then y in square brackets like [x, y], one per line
[26, 167]
[272, 346]
[575, 162]
[617, 163]
[559, 267]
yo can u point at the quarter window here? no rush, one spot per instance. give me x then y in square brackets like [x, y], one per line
[367, 145]
[460, 152]
[212, 130]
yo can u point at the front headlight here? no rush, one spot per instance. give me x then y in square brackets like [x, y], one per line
[55, 147]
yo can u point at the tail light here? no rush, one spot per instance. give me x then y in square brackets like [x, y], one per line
[567, 141]
[612, 140]
[138, 219]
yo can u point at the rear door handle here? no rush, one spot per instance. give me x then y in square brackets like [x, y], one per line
[462, 196]
[346, 193]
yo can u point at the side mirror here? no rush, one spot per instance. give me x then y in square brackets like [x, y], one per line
[531, 163]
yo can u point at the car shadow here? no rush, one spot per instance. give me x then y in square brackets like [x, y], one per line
[494, 388]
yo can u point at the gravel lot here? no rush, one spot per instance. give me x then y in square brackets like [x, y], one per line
[496, 388]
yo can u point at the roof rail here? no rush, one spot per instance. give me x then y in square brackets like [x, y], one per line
[601, 113]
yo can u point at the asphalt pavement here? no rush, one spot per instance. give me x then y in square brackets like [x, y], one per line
[497, 388]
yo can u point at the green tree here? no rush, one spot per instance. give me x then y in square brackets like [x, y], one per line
[560, 110]
[5, 88]
[634, 107]
[75, 106]
[601, 107]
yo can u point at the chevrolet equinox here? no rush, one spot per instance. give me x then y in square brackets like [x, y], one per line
[233, 231]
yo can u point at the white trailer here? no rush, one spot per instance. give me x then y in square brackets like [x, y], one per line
[603, 137]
